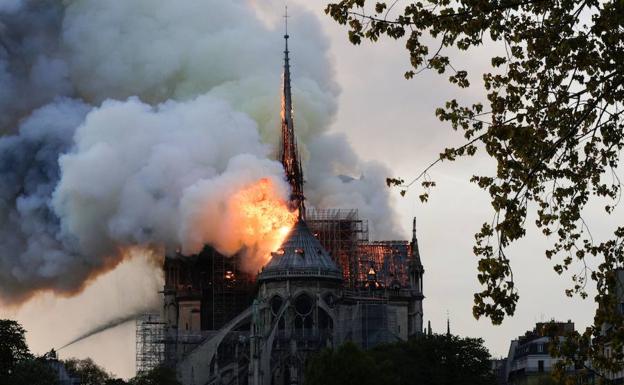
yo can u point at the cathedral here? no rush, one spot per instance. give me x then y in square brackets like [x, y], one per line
[325, 285]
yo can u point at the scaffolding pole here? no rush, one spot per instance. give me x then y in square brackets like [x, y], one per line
[150, 342]
[340, 232]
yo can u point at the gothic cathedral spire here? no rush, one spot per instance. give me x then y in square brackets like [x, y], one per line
[289, 154]
[415, 271]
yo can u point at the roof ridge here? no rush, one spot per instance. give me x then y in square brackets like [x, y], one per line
[301, 255]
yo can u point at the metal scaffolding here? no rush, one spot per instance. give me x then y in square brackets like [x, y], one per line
[222, 288]
[150, 342]
[230, 290]
[341, 232]
[345, 236]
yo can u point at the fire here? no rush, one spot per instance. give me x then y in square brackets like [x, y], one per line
[265, 218]
[252, 217]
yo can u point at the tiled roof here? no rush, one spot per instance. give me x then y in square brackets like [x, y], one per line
[301, 256]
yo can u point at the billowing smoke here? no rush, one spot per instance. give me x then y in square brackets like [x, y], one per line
[338, 178]
[32, 68]
[151, 123]
[170, 181]
[33, 254]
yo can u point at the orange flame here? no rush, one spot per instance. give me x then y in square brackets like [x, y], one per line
[266, 220]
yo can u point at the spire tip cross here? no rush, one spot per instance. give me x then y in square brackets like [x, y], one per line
[286, 20]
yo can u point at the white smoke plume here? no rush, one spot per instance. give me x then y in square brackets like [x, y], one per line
[133, 123]
[338, 178]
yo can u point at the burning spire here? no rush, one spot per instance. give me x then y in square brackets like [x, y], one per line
[289, 154]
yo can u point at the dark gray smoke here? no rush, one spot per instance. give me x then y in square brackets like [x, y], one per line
[31, 244]
[132, 123]
[33, 70]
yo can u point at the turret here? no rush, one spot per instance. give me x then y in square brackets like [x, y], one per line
[415, 267]
[415, 272]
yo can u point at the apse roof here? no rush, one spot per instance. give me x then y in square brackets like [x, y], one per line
[300, 256]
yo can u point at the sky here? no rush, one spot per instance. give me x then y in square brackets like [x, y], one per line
[386, 119]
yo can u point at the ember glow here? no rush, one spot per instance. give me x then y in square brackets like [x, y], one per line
[265, 218]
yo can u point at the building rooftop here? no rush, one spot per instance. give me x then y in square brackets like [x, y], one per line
[301, 256]
[547, 329]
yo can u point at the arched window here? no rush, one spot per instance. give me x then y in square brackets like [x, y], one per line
[298, 322]
[276, 304]
[304, 304]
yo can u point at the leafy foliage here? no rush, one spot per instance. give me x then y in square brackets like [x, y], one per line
[87, 370]
[17, 365]
[552, 122]
[33, 371]
[425, 360]
[157, 376]
[13, 347]
[115, 381]
[348, 365]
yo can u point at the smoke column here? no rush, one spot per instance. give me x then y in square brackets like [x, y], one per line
[134, 123]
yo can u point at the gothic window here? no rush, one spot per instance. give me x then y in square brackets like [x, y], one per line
[276, 304]
[298, 322]
[303, 304]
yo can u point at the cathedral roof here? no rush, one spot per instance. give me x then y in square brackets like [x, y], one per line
[301, 256]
